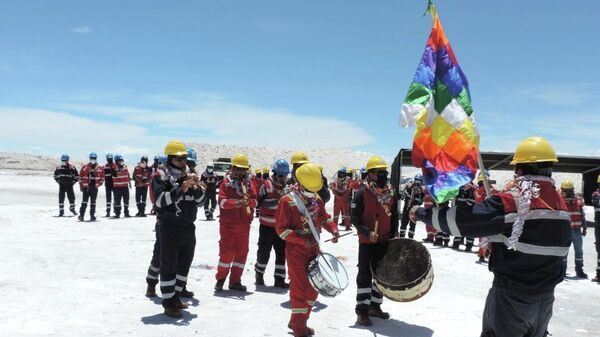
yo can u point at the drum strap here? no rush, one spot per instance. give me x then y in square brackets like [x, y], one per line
[304, 211]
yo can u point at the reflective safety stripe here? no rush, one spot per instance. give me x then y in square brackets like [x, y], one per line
[378, 300]
[279, 274]
[168, 295]
[363, 291]
[167, 283]
[299, 310]
[451, 219]
[261, 265]
[597, 209]
[239, 265]
[311, 303]
[533, 249]
[280, 266]
[539, 214]
[367, 302]
[285, 233]
[154, 268]
[434, 219]
[181, 278]
[268, 219]
[178, 288]
[224, 265]
[152, 277]
[189, 198]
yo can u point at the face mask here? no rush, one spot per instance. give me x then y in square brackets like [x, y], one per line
[341, 175]
[381, 180]
[308, 194]
[93, 161]
[143, 164]
[120, 163]
[209, 169]
[65, 163]
[258, 176]
[110, 161]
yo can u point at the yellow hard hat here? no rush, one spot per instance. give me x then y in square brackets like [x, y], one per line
[175, 148]
[376, 162]
[309, 176]
[241, 161]
[567, 185]
[299, 157]
[321, 169]
[257, 171]
[598, 180]
[265, 170]
[534, 150]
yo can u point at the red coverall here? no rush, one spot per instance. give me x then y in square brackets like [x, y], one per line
[341, 203]
[234, 228]
[300, 249]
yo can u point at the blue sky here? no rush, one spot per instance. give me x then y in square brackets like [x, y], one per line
[125, 76]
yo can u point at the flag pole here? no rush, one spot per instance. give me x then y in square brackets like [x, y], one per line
[486, 183]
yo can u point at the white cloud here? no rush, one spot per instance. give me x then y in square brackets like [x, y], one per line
[82, 30]
[560, 94]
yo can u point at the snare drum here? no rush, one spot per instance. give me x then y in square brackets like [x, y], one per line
[327, 275]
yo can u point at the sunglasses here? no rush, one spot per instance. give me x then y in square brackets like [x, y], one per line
[180, 158]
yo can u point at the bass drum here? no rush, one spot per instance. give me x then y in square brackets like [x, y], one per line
[327, 275]
[405, 272]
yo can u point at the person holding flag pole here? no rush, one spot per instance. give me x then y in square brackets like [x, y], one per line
[529, 225]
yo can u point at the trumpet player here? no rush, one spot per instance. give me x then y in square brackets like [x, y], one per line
[237, 201]
[178, 196]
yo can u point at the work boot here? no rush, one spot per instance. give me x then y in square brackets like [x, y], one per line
[411, 235]
[579, 272]
[117, 215]
[427, 240]
[72, 209]
[260, 280]
[597, 278]
[446, 242]
[92, 217]
[311, 331]
[437, 242]
[151, 290]
[186, 293]
[219, 285]
[481, 259]
[237, 286]
[173, 312]
[107, 214]
[375, 311]
[362, 317]
[280, 283]
[127, 213]
[80, 217]
[61, 213]
[181, 305]
[143, 213]
[348, 228]
[456, 245]
[469, 247]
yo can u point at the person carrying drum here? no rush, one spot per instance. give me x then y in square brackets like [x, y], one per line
[374, 213]
[531, 234]
[301, 247]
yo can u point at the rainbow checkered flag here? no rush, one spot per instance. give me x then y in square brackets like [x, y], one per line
[446, 140]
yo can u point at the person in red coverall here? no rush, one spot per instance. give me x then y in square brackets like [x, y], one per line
[237, 201]
[375, 215]
[341, 202]
[301, 247]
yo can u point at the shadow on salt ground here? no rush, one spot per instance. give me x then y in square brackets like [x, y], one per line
[162, 319]
[233, 294]
[190, 301]
[271, 290]
[393, 327]
[316, 308]
[156, 299]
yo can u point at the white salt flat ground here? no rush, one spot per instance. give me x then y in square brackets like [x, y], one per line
[61, 277]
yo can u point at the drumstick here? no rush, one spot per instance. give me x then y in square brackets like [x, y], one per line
[341, 236]
[244, 190]
[376, 228]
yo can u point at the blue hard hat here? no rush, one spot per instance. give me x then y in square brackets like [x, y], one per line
[64, 157]
[93, 155]
[342, 170]
[118, 157]
[162, 159]
[109, 156]
[419, 176]
[363, 170]
[191, 155]
[281, 167]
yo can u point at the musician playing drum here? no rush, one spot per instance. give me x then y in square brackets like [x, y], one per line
[374, 213]
[301, 247]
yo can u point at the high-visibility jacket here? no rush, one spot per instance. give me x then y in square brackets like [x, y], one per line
[369, 208]
[120, 176]
[66, 175]
[230, 191]
[108, 173]
[575, 209]
[536, 263]
[91, 174]
[268, 197]
[142, 176]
